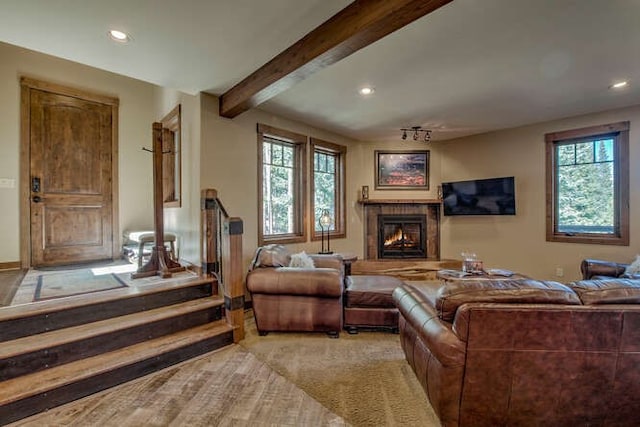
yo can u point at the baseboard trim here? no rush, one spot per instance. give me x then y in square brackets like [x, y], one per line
[14, 265]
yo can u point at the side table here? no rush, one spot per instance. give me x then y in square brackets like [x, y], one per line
[347, 260]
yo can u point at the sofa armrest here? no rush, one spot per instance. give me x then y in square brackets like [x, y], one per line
[596, 267]
[321, 282]
[438, 336]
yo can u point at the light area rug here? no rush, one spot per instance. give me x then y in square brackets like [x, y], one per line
[50, 284]
[364, 378]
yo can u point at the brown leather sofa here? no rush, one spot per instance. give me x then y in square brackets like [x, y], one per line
[296, 299]
[526, 352]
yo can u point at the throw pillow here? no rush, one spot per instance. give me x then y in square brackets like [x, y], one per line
[301, 260]
[273, 255]
[634, 267]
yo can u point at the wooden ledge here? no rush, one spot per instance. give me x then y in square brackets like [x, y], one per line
[400, 201]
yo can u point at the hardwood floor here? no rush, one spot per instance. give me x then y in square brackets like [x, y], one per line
[9, 283]
[226, 387]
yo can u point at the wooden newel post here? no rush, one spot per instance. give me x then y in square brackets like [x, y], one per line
[222, 257]
[209, 226]
[233, 284]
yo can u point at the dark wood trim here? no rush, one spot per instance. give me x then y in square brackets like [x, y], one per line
[173, 122]
[358, 25]
[622, 183]
[13, 265]
[68, 91]
[20, 321]
[300, 142]
[233, 278]
[340, 231]
[282, 134]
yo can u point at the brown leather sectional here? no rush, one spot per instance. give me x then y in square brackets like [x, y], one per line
[319, 299]
[526, 352]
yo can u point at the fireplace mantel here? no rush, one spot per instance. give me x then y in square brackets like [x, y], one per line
[400, 202]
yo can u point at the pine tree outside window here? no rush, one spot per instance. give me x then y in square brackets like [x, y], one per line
[281, 171]
[328, 187]
[588, 185]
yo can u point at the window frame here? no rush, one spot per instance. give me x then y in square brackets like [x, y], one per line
[619, 132]
[340, 221]
[172, 158]
[300, 215]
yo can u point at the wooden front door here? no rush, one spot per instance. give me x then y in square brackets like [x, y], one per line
[71, 156]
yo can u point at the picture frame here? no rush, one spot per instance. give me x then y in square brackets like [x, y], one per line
[402, 170]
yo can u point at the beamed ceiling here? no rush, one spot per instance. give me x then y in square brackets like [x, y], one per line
[458, 67]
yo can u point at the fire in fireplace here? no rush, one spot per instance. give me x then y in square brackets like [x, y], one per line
[402, 236]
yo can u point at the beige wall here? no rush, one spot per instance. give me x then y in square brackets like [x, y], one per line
[136, 115]
[229, 165]
[519, 242]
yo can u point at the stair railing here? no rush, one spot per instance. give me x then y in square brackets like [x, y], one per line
[221, 248]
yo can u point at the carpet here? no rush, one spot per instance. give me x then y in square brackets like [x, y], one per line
[363, 378]
[74, 283]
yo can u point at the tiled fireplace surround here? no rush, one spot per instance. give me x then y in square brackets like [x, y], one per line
[429, 208]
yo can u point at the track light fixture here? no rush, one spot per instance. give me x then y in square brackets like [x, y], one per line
[418, 133]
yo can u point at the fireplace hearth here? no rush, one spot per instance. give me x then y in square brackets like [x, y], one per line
[402, 236]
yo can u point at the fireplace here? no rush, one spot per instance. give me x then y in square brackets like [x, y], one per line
[402, 236]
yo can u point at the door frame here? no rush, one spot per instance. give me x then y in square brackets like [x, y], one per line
[26, 85]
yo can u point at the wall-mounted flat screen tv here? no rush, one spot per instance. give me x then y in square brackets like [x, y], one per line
[494, 196]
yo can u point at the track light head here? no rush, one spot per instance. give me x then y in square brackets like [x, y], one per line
[417, 133]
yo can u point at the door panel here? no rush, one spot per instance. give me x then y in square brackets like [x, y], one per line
[70, 152]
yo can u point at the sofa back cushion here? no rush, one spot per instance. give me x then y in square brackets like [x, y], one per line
[607, 291]
[524, 291]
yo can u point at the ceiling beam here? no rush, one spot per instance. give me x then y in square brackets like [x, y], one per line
[356, 26]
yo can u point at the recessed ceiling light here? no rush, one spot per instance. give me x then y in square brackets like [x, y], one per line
[119, 36]
[366, 91]
[619, 85]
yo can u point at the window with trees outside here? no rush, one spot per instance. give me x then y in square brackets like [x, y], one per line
[588, 185]
[328, 187]
[281, 171]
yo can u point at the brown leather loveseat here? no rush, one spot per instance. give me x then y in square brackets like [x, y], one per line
[296, 299]
[526, 352]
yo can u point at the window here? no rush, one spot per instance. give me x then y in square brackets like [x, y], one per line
[281, 175]
[328, 187]
[588, 185]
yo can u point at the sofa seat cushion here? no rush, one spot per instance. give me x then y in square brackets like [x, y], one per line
[371, 291]
[524, 291]
[607, 291]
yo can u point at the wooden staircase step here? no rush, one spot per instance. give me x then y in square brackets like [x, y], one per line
[43, 316]
[30, 394]
[37, 352]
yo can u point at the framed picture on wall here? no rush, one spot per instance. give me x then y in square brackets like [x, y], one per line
[402, 170]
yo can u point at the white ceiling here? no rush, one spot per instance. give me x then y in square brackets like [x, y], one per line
[470, 67]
